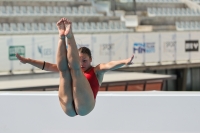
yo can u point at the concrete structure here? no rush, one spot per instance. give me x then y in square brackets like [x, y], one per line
[138, 112]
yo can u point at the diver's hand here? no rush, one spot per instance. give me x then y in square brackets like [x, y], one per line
[21, 59]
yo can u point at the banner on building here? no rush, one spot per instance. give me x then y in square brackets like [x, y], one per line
[137, 47]
[102, 48]
[23, 45]
[168, 47]
[192, 46]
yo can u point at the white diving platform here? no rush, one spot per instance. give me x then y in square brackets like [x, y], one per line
[115, 112]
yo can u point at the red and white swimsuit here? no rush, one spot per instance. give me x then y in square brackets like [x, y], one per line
[94, 83]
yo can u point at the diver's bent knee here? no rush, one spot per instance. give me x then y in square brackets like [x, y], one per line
[67, 108]
[84, 111]
[71, 114]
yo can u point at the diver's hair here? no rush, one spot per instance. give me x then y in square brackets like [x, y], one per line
[85, 50]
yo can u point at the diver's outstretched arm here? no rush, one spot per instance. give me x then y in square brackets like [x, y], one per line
[112, 65]
[37, 63]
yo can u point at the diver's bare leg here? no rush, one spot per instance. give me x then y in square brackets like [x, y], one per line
[65, 86]
[82, 92]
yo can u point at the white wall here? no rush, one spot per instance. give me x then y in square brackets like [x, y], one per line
[154, 47]
[137, 112]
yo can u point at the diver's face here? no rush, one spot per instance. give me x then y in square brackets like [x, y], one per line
[85, 61]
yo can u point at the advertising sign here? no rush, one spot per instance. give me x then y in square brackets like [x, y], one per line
[192, 46]
[103, 48]
[168, 47]
[44, 48]
[136, 47]
[16, 49]
[23, 45]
